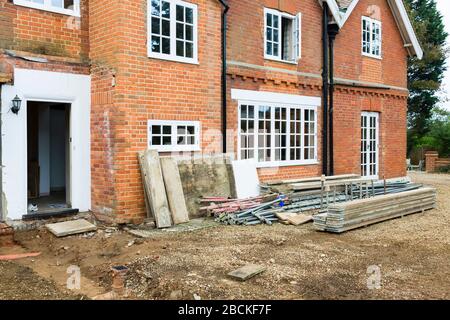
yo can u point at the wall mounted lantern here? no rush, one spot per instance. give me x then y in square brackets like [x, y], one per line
[16, 103]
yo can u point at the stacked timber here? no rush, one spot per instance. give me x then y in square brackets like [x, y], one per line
[346, 216]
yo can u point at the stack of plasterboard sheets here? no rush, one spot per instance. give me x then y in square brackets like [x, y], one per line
[346, 216]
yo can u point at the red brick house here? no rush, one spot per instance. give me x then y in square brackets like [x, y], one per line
[324, 81]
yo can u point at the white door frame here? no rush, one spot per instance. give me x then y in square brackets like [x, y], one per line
[34, 85]
[366, 154]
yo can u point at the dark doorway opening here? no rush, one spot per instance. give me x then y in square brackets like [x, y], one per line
[48, 158]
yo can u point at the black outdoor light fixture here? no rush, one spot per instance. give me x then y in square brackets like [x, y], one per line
[16, 103]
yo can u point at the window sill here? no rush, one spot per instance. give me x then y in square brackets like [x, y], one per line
[175, 149]
[274, 164]
[173, 59]
[372, 56]
[48, 9]
[280, 60]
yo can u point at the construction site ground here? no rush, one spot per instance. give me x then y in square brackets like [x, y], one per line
[412, 254]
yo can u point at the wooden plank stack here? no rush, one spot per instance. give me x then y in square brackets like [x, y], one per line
[346, 216]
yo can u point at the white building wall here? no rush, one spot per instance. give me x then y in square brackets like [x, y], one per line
[32, 85]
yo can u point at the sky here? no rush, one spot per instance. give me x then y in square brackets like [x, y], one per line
[444, 8]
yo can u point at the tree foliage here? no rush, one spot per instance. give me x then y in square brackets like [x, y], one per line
[438, 136]
[425, 76]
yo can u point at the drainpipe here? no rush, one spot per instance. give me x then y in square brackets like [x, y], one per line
[2, 218]
[333, 30]
[224, 74]
[325, 89]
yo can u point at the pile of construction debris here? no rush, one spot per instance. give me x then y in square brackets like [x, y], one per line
[303, 196]
[292, 201]
[258, 210]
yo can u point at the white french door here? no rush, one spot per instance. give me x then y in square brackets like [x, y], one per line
[369, 144]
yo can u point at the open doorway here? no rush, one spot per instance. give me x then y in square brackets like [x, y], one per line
[48, 159]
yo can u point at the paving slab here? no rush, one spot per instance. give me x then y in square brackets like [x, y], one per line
[67, 228]
[247, 272]
[174, 190]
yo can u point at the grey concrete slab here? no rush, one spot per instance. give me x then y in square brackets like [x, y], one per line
[174, 190]
[66, 228]
[155, 189]
[247, 272]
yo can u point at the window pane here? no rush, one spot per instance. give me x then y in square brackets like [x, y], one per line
[275, 49]
[243, 111]
[166, 28]
[156, 25]
[189, 15]
[189, 33]
[180, 13]
[166, 45]
[167, 129]
[190, 129]
[156, 129]
[156, 141]
[155, 7]
[269, 48]
[167, 141]
[251, 112]
[275, 21]
[275, 35]
[156, 44]
[181, 140]
[180, 31]
[69, 4]
[180, 48]
[189, 50]
[269, 19]
[269, 34]
[165, 9]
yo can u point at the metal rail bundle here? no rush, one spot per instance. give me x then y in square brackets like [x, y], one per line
[253, 213]
[264, 213]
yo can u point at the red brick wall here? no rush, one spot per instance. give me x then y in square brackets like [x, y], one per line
[351, 64]
[42, 32]
[246, 31]
[145, 88]
[347, 132]
[391, 104]
[246, 44]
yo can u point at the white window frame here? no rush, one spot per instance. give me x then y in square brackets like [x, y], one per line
[173, 56]
[47, 6]
[256, 99]
[371, 22]
[174, 135]
[297, 38]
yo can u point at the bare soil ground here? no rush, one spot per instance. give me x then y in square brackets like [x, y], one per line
[413, 255]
